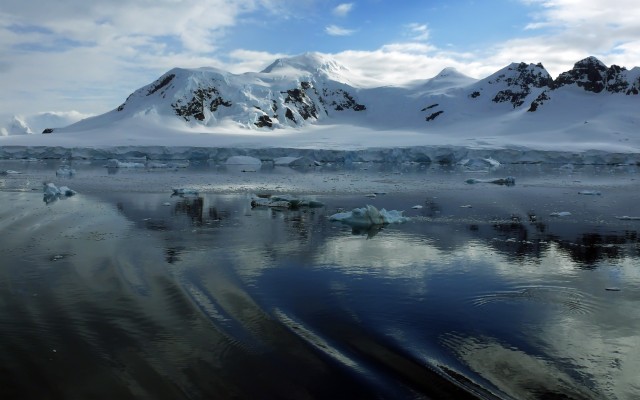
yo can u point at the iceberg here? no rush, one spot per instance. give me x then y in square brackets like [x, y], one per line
[65, 170]
[9, 172]
[53, 193]
[368, 216]
[560, 214]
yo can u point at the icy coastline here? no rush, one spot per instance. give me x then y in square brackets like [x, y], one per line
[416, 154]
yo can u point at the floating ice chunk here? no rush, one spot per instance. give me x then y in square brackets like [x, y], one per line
[284, 201]
[466, 206]
[65, 170]
[52, 193]
[369, 215]
[371, 195]
[628, 218]
[417, 207]
[560, 214]
[114, 163]
[589, 192]
[508, 181]
[243, 160]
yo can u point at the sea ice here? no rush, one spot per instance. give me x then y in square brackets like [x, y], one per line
[560, 214]
[368, 216]
[9, 172]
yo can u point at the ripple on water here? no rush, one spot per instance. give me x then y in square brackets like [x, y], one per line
[569, 300]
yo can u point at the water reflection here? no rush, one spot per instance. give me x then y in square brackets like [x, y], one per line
[170, 297]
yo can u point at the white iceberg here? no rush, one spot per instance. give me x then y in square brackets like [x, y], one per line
[65, 170]
[9, 172]
[52, 193]
[368, 216]
[560, 214]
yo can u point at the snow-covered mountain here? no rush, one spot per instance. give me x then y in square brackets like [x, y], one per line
[37, 123]
[311, 89]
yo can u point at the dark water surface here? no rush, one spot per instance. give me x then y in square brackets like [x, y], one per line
[116, 295]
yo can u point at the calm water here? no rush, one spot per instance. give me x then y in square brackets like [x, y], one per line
[115, 295]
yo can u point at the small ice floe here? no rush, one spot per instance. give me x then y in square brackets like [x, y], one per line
[65, 170]
[508, 181]
[114, 163]
[184, 192]
[9, 172]
[479, 163]
[52, 193]
[560, 214]
[628, 218]
[417, 207]
[368, 216]
[371, 195]
[589, 193]
[466, 206]
[283, 201]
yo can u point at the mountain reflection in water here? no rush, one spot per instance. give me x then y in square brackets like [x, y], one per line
[151, 296]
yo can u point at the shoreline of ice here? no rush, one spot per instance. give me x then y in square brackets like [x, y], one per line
[437, 154]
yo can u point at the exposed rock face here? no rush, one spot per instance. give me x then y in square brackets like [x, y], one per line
[202, 99]
[520, 79]
[592, 75]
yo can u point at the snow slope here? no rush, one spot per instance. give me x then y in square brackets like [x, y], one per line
[312, 102]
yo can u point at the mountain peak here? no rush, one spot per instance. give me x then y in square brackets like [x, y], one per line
[306, 62]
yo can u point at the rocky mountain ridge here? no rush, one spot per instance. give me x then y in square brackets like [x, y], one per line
[314, 89]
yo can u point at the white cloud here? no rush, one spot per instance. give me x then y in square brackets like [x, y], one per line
[335, 30]
[418, 32]
[343, 9]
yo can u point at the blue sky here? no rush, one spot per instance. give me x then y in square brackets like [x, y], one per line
[74, 55]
